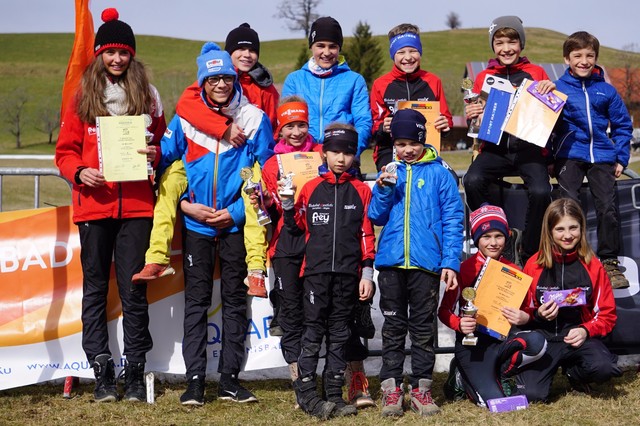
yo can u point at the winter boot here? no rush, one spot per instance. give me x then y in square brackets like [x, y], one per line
[333, 389]
[307, 396]
[105, 373]
[392, 398]
[356, 379]
[134, 386]
[421, 400]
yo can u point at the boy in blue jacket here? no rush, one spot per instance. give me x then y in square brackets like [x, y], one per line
[420, 245]
[582, 147]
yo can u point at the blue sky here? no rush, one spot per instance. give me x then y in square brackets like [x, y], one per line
[614, 22]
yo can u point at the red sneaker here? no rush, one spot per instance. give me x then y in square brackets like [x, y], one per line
[151, 271]
[255, 281]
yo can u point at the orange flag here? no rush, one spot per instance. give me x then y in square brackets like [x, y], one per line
[81, 54]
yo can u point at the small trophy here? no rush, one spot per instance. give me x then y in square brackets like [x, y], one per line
[471, 98]
[391, 168]
[148, 136]
[246, 174]
[469, 310]
[287, 186]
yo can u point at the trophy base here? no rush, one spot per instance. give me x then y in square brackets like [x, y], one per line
[469, 340]
[264, 220]
[390, 181]
[286, 193]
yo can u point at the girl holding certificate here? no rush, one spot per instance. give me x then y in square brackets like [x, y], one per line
[114, 218]
[575, 323]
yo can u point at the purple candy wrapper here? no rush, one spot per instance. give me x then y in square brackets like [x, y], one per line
[573, 297]
[550, 99]
[509, 403]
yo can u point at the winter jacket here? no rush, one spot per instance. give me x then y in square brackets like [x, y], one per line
[469, 271]
[282, 244]
[592, 106]
[341, 96]
[598, 316]
[212, 165]
[397, 85]
[422, 217]
[333, 214]
[515, 73]
[77, 148]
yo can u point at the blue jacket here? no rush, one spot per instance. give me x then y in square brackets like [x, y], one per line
[592, 106]
[341, 96]
[422, 217]
[213, 166]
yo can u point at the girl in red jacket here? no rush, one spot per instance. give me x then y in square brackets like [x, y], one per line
[114, 218]
[572, 326]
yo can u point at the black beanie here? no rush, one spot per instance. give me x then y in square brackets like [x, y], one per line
[242, 37]
[325, 29]
[510, 21]
[409, 124]
[114, 34]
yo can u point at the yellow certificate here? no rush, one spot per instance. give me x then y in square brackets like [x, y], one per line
[498, 286]
[303, 166]
[431, 111]
[119, 139]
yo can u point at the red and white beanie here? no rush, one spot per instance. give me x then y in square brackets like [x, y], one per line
[488, 218]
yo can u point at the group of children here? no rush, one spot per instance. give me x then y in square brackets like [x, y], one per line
[322, 245]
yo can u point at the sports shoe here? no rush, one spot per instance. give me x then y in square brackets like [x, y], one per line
[104, 370]
[151, 271]
[508, 385]
[134, 386]
[230, 389]
[392, 398]
[453, 388]
[617, 278]
[512, 247]
[421, 400]
[578, 385]
[194, 395]
[359, 395]
[332, 384]
[255, 281]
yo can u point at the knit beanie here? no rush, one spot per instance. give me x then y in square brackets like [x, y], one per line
[507, 22]
[409, 124]
[243, 37]
[340, 140]
[326, 29]
[113, 34]
[290, 112]
[213, 61]
[487, 218]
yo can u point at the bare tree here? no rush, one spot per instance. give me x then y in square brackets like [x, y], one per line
[363, 53]
[453, 21]
[13, 108]
[298, 14]
[48, 119]
[629, 86]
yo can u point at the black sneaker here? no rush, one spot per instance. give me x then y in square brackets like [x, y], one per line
[104, 370]
[578, 385]
[134, 387]
[512, 247]
[453, 388]
[194, 395]
[230, 389]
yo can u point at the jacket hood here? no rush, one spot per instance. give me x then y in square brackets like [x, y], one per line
[261, 75]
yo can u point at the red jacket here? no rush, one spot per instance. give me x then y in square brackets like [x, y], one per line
[282, 244]
[598, 316]
[264, 97]
[514, 73]
[469, 270]
[77, 148]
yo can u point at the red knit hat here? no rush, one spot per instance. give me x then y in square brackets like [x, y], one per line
[488, 218]
[114, 34]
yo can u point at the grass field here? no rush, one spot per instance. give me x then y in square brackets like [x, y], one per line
[613, 403]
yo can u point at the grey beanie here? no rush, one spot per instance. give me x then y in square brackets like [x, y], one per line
[507, 22]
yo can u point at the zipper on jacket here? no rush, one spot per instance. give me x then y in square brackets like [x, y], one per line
[587, 103]
[335, 221]
[407, 204]
[321, 127]
[119, 200]
[406, 83]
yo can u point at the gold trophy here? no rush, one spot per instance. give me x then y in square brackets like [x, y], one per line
[469, 310]
[250, 187]
[471, 98]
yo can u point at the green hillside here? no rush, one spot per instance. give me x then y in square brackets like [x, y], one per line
[35, 65]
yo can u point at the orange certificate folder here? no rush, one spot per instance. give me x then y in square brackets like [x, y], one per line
[531, 116]
[431, 111]
[303, 165]
[498, 285]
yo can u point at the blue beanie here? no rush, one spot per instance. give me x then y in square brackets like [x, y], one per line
[213, 61]
[409, 124]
